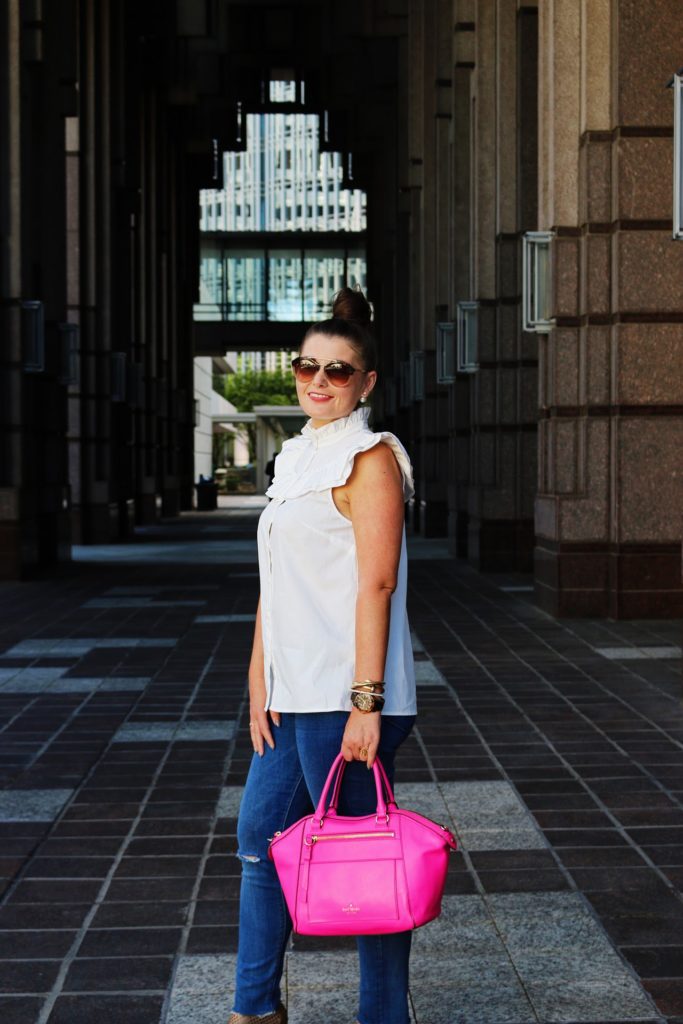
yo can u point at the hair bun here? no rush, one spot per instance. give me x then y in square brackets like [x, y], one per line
[351, 304]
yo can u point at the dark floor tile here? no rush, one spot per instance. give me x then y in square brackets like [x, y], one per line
[32, 976]
[523, 881]
[460, 883]
[34, 945]
[600, 856]
[612, 879]
[667, 994]
[656, 961]
[646, 930]
[216, 912]
[130, 942]
[145, 889]
[492, 860]
[119, 1009]
[157, 867]
[42, 915]
[20, 1009]
[207, 939]
[68, 867]
[55, 891]
[138, 915]
[584, 837]
[119, 974]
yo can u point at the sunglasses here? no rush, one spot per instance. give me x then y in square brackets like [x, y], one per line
[337, 372]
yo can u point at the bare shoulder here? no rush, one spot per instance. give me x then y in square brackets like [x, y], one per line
[375, 465]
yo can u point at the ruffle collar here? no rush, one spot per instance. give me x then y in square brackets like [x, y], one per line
[319, 436]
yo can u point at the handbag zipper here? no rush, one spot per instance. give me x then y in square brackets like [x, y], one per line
[354, 835]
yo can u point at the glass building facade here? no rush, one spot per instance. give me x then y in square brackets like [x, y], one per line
[281, 183]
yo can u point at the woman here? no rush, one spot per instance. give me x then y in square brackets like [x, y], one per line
[331, 626]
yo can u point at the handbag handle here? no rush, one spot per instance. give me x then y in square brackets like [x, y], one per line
[337, 769]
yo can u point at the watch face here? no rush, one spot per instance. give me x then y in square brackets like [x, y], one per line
[364, 701]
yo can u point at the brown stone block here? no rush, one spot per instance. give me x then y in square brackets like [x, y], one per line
[643, 169]
[648, 272]
[528, 473]
[642, 570]
[649, 364]
[528, 394]
[485, 391]
[546, 516]
[564, 342]
[565, 256]
[597, 350]
[566, 455]
[509, 323]
[507, 395]
[649, 484]
[648, 49]
[596, 173]
[486, 325]
[597, 274]
[507, 277]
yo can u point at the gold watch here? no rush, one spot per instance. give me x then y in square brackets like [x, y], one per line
[366, 702]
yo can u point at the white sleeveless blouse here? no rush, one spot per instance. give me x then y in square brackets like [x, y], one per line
[309, 576]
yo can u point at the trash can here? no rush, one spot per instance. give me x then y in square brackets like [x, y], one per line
[207, 495]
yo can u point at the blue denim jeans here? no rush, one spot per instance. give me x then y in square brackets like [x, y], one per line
[281, 787]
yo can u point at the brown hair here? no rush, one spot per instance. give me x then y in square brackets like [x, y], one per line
[350, 320]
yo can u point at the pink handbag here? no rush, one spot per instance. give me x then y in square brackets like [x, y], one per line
[369, 875]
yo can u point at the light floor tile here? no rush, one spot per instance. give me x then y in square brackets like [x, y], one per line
[541, 923]
[32, 804]
[158, 732]
[205, 973]
[229, 801]
[615, 998]
[206, 619]
[517, 589]
[417, 643]
[639, 653]
[501, 839]
[66, 647]
[427, 674]
[424, 797]
[138, 602]
[198, 1008]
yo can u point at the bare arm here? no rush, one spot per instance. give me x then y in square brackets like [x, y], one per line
[259, 719]
[373, 500]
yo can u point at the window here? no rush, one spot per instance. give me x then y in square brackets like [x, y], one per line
[536, 282]
[445, 353]
[467, 349]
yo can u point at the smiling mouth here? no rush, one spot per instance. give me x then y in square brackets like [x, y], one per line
[317, 394]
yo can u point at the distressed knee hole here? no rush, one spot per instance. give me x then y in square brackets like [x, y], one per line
[248, 858]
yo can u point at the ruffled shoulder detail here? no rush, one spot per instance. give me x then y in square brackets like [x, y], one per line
[300, 468]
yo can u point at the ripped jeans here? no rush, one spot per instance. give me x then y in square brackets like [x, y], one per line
[281, 787]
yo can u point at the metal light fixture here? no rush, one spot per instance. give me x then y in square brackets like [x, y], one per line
[536, 282]
[446, 360]
[676, 83]
[417, 376]
[33, 335]
[467, 337]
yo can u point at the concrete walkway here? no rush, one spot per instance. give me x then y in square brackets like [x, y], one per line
[555, 750]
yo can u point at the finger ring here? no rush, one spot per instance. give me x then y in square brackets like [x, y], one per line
[363, 753]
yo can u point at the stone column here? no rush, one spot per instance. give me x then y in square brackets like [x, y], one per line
[10, 292]
[611, 387]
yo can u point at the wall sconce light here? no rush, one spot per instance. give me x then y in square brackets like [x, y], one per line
[33, 335]
[536, 282]
[390, 396]
[118, 377]
[468, 337]
[446, 359]
[68, 335]
[405, 396]
[676, 83]
[417, 376]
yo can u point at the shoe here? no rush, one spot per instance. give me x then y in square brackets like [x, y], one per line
[278, 1016]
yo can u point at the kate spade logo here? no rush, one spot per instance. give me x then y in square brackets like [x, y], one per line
[350, 908]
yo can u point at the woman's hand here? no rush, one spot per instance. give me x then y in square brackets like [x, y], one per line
[259, 720]
[361, 736]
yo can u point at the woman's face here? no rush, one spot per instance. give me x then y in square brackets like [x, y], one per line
[320, 399]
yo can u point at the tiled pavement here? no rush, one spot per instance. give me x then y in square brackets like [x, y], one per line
[556, 749]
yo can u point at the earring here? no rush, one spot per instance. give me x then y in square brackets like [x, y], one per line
[363, 398]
